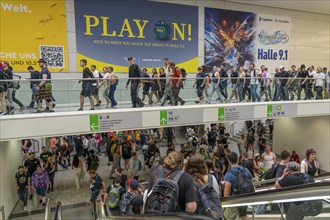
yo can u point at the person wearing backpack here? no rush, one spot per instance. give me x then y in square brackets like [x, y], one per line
[176, 82]
[194, 142]
[132, 203]
[207, 188]
[238, 181]
[115, 194]
[116, 161]
[126, 150]
[170, 188]
[92, 162]
[137, 166]
[96, 185]
[292, 177]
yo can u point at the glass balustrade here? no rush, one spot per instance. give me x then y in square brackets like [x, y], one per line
[66, 92]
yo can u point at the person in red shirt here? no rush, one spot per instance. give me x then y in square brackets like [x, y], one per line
[176, 81]
[294, 157]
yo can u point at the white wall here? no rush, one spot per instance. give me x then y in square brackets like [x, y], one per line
[300, 134]
[10, 159]
[310, 39]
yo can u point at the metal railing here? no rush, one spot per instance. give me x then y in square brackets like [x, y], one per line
[48, 210]
[2, 210]
[58, 211]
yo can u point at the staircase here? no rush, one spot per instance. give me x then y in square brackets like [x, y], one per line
[237, 136]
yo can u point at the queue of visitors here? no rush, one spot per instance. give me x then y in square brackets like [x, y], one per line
[166, 82]
[204, 167]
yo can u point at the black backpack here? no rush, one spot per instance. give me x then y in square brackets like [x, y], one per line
[164, 196]
[194, 141]
[208, 199]
[310, 208]
[126, 205]
[270, 173]
[244, 184]
[184, 74]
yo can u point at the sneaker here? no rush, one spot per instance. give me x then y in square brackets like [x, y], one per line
[40, 201]
[31, 197]
[97, 105]
[22, 108]
[54, 105]
[5, 113]
[44, 204]
[141, 105]
[197, 102]
[92, 109]
[12, 110]
[25, 209]
[46, 110]
[38, 111]
[80, 109]
[182, 103]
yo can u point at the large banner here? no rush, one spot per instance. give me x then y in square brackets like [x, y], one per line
[240, 38]
[31, 30]
[108, 32]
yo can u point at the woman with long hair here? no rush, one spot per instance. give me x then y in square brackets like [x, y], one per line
[50, 169]
[155, 85]
[78, 170]
[162, 80]
[197, 168]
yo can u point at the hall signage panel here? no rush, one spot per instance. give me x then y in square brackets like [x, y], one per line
[107, 122]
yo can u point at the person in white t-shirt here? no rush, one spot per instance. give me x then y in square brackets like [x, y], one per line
[255, 75]
[268, 158]
[106, 84]
[95, 85]
[319, 82]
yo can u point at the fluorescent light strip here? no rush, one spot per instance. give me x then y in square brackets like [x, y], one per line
[277, 201]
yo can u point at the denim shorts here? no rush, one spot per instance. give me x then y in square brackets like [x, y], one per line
[233, 86]
[41, 192]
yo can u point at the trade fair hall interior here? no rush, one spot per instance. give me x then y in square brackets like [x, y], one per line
[153, 109]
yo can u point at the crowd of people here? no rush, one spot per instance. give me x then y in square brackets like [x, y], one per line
[164, 84]
[203, 166]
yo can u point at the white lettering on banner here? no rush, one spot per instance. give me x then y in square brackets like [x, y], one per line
[15, 8]
[7, 55]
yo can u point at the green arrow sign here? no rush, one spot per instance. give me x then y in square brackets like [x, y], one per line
[163, 118]
[269, 110]
[221, 114]
[94, 123]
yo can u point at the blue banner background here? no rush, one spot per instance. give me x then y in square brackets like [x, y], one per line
[118, 11]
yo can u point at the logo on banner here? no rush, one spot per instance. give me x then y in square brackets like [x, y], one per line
[274, 39]
[162, 30]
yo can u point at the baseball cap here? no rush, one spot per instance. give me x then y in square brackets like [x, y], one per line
[281, 67]
[133, 183]
[130, 58]
[42, 60]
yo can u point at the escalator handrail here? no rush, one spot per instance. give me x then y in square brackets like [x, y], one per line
[58, 211]
[306, 191]
[272, 181]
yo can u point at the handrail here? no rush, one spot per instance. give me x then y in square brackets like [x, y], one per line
[48, 210]
[58, 211]
[2, 210]
[313, 191]
[319, 177]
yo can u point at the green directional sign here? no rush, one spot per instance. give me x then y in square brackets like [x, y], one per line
[163, 118]
[269, 110]
[221, 114]
[94, 123]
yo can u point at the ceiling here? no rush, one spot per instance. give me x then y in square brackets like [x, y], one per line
[316, 6]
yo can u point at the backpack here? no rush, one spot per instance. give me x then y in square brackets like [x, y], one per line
[270, 173]
[213, 136]
[194, 141]
[184, 74]
[140, 164]
[208, 199]
[117, 80]
[244, 184]
[126, 150]
[164, 196]
[126, 205]
[313, 207]
[94, 164]
[114, 197]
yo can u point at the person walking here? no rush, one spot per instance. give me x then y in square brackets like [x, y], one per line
[78, 170]
[40, 181]
[86, 85]
[22, 180]
[134, 74]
